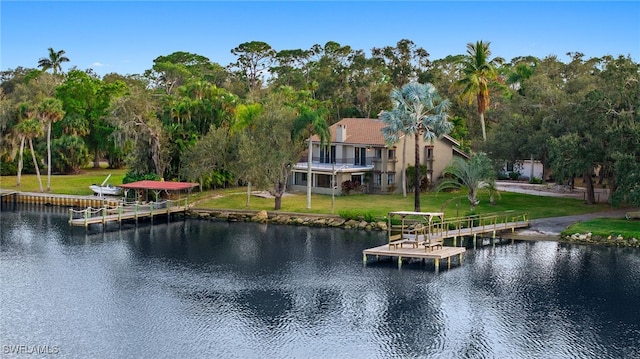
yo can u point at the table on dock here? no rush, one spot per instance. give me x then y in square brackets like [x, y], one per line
[421, 235]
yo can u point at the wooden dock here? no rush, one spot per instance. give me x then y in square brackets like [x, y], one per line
[421, 235]
[417, 253]
[8, 197]
[123, 212]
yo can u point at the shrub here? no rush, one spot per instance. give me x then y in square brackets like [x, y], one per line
[514, 175]
[135, 177]
[357, 215]
[536, 180]
[349, 186]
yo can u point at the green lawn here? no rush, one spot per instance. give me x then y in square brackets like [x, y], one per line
[605, 227]
[453, 204]
[64, 184]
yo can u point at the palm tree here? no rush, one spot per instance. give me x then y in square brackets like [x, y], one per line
[479, 72]
[29, 129]
[50, 111]
[417, 110]
[308, 123]
[54, 61]
[475, 175]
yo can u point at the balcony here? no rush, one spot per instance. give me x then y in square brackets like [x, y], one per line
[340, 165]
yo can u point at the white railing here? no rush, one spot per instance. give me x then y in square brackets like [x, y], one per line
[138, 210]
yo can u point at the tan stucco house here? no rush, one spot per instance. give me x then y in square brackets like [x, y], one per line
[358, 153]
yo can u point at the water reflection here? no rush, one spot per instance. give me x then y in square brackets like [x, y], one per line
[215, 289]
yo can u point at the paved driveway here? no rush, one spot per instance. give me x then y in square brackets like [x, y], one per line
[551, 227]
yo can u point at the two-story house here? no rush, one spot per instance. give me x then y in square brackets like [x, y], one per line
[358, 153]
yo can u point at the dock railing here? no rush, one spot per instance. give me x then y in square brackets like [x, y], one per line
[479, 224]
[133, 210]
[430, 230]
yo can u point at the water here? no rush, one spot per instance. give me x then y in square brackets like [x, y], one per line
[191, 289]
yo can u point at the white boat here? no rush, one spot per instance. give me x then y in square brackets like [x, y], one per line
[105, 189]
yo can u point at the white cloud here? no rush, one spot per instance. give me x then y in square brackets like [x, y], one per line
[99, 64]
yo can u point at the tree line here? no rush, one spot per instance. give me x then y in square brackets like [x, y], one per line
[189, 118]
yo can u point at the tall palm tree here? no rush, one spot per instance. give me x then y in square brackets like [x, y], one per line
[417, 110]
[308, 123]
[475, 175]
[54, 61]
[50, 111]
[479, 72]
[29, 129]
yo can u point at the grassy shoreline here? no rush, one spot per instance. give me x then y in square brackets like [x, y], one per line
[453, 204]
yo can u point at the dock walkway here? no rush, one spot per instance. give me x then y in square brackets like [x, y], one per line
[421, 235]
[121, 212]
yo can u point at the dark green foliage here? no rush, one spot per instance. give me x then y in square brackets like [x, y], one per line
[350, 186]
[69, 154]
[424, 180]
[357, 215]
[628, 185]
[131, 176]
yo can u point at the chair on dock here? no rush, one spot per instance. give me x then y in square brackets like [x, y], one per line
[433, 243]
[415, 235]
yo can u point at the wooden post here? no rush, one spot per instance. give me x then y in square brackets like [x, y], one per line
[135, 211]
[364, 258]
[399, 262]
[474, 240]
[151, 210]
[86, 216]
[70, 215]
[436, 263]
[104, 214]
[454, 241]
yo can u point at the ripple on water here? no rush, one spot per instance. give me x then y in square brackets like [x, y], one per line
[194, 287]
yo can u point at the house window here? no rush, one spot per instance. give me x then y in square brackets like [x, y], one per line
[356, 178]
[300, 179]
[378, 153]
[390, 179]
[328, 154]
[360, 156]
[429, 152]
[323, 181]
[509, 166]
[392, 154]
[378, 179]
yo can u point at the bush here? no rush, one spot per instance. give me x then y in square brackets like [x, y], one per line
[536, 180]
[514, 176]
[135, 177]
[357, 215]
[349, 186]
[424, 180]
[69, 154]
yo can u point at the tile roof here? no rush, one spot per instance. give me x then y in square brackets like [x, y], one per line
[159, 185]
[361, 131]
[365, 131]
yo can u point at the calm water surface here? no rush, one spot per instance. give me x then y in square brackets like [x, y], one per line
[194, 289]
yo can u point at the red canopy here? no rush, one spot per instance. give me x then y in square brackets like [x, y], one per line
[159, 185]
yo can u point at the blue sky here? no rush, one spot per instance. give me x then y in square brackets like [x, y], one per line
[125, 36]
